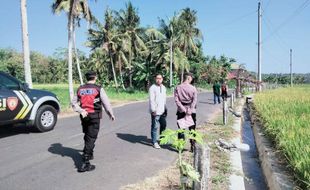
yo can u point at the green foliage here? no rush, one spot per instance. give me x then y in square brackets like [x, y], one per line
[123, 52]
[12, 63]
[285, 78]
[188, 170]
[218, 68]
[45, 69]
[171, 137]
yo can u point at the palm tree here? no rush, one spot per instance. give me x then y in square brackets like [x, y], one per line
[120, 55]
[170, 31]
[74, 9]
[189, 34]
[25, 42]
[128, 23]
[96, 62]
[105, 37]
[155, 55]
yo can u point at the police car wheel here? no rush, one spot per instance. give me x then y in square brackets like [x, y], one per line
[46, 118]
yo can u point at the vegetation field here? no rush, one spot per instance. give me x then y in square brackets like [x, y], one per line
[285, 114]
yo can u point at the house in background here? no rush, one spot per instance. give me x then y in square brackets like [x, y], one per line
[243, 78]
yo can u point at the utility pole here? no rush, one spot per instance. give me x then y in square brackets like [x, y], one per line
[259, 48]
[291, 66]
[25, 42]
[171, 59]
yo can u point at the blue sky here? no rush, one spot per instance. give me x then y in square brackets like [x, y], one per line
[229, 28]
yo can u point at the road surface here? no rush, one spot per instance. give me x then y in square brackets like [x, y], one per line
[123, 152]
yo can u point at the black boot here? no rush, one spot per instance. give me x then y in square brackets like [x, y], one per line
[86, 166]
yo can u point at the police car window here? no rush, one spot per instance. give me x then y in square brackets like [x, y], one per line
[8, 83]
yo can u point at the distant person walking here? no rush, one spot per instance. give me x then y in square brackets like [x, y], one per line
[185, 96]
[88, 103]
[224, 89]
[158, 110]
[217, 92]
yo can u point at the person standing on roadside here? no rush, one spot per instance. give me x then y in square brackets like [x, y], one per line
[88, 103]
[224, 89]
[217, 92]
[158, 110]
[185, 96]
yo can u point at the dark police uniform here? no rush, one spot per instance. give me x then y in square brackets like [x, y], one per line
[91, 98]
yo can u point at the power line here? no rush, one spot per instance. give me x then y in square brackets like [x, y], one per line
[266, 6]
[233, 21]
[278, 38]
[288, 19]
[275, 59]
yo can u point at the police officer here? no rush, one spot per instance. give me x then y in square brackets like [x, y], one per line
[88, 102]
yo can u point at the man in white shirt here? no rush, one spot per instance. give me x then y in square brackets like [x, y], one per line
[157, 102]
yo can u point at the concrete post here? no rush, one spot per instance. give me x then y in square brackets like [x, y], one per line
[225, 112]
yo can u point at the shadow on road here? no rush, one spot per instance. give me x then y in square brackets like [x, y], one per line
[74, 154]
[11, 130]
[142, 139]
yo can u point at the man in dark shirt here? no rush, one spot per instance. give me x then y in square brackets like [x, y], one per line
[217, 92]
[88, 103]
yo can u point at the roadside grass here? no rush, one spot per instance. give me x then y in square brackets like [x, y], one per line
[166, 179]
[285, 115]
[220, 161]
[116, 97]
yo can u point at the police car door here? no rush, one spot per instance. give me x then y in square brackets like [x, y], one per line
[13, 103]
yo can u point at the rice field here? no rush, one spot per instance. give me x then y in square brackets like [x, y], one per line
[285, 114]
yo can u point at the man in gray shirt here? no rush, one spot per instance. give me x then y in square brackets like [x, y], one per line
[157, 104]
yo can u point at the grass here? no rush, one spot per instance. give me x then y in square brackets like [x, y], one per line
[220, 161]
[166, 179]
[116, 97]
[61, 90]
[285, 115]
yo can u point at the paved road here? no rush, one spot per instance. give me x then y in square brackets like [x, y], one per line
[123, 153]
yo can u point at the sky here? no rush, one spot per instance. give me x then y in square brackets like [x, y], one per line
[229, 28]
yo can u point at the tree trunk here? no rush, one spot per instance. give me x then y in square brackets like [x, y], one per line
[77, 57]
[113, 68]
[25, 42]
[121, 74]
[183, 66]
[70, 33]
[171, 57]
[130, 72]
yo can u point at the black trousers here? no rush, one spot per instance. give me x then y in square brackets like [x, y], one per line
[181, 115]
[90, 130]
[224, 95]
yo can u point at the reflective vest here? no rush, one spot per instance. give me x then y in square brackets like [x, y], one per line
[89, 98]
